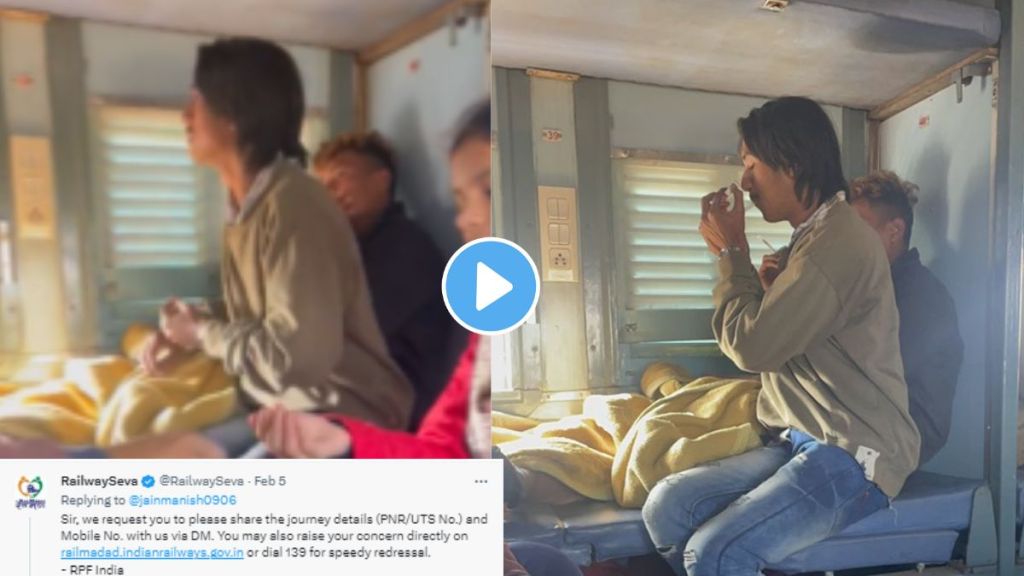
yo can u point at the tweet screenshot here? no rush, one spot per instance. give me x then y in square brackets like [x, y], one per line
[225, 348]
[254, 517]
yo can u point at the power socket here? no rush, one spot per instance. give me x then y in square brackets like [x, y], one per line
[560, 259]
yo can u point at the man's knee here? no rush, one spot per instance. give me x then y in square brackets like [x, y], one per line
[668, 511]
[655, 511]
[712, 552]
[662, 511]
[701, 553]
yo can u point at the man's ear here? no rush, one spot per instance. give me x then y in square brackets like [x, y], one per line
[383, 178]
[790, 171]
[895, 229]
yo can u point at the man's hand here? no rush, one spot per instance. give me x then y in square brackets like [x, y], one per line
[721, 227]
[179, 323]
[155, 353]
[770, 269]
[292, 434]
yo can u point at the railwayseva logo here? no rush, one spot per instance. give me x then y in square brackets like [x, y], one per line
[30, 491]
[30, 488]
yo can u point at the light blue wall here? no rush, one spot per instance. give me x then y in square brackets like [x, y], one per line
[678, 120]
[416, 96]
[945, 148]
[144, 65]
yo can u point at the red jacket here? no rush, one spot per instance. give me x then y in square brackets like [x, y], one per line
[441, 435]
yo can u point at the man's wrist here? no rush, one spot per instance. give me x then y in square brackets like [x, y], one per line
[732, 249]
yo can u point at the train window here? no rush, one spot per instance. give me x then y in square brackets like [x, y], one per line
[151, 190]
[158, 216]
[667, 265]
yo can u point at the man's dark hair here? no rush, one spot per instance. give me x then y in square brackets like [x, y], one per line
[795, 134]
[475, 124]
[256, 85]
[888, 195]
[369, 145]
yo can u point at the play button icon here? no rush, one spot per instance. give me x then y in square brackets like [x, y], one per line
[490, 286]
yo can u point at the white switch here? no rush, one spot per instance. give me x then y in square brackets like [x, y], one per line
[553, 235]
[557, 226]
[563, 234]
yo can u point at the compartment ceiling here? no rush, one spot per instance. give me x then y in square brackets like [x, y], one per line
[343, 24]
[857, 53]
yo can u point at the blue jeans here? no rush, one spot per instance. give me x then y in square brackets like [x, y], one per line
[735, 516]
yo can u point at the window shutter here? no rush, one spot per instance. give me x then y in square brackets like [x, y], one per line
[152, 191]
[667, 264]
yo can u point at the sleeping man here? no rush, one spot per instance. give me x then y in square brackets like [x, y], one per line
[930, 342]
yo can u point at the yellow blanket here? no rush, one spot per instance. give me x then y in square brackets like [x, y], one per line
[622, 445]
[578, 450]
[708, 419]
[109, 400]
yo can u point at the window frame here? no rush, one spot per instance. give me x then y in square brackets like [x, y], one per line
[686, 328]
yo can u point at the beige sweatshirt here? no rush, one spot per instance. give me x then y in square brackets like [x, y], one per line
[300, 327]
[825, 338]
